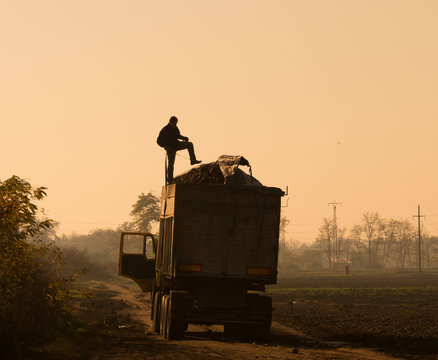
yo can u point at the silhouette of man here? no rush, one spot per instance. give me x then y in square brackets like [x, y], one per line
[172, 141]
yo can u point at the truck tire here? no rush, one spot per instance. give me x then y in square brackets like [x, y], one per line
[262, 333]
[163, 316]
[155, 313]
[244, 332]
[230, 330]
[174, 328]
[153, 294]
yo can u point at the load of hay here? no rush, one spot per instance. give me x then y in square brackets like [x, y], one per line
[223, 171]
[202, 174]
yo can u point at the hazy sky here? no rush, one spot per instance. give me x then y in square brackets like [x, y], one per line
[336, 99]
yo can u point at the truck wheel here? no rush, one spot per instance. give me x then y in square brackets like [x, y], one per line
[230, 330]
[262, 333]
[153, 294]
[153, 291]
[156, 309]
[174, 328]
[245, 332]
[163, 315]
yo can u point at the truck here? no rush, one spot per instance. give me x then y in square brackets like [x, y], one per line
[216, 251]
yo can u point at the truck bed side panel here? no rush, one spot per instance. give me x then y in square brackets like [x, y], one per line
[225, 230]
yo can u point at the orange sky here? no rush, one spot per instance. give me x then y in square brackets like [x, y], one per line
[336, 99]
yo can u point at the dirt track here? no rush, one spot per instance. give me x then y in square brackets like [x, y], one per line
[131, 337]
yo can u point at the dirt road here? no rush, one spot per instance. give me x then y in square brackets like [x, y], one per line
[132, 338]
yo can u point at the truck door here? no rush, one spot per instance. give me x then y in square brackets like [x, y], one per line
[137, 258]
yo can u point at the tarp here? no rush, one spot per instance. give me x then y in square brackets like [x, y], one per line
[225, 170]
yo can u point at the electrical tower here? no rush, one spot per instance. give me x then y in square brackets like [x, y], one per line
[335, 230]
[419, 216]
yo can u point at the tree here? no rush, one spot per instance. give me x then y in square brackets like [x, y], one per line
[340, 243]
[431, 251]
[404, 236]
[32, 293]
[371, 226]
[97, 251]
[146, 212]
[388, 230]
[426, 249]
[356, 237]
[20, 217]
[284, 221]
[325, 238]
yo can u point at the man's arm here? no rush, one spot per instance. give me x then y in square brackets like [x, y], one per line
[181, 137]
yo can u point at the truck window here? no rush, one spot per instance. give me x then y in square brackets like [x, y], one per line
[150, 254]
[133, 244]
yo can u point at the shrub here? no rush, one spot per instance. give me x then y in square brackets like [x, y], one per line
[33, 294]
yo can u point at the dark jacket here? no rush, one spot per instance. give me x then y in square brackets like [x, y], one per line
[169, 136]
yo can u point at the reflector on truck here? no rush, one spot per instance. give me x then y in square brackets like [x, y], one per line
[190, 268]
[264, 271]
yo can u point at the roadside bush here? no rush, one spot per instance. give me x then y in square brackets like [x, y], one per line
[97, 251]
[33, 293]
[78, 261]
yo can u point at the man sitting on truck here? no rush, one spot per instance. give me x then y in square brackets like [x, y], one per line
[172, 141]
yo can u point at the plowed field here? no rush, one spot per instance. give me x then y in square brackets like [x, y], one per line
[312, 320]
[396, 314]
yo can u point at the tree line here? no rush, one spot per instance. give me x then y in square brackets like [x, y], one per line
[375, 242]
[98, 251]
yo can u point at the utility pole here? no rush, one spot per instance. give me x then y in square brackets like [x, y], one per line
[335, 229]
[419, 216]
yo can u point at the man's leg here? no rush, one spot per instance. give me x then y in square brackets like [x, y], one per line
[189, 147]
[170, 163]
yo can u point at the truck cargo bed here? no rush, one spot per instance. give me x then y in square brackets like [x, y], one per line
[219, 231]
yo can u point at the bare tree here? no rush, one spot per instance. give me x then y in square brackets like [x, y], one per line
[325, 238]
[426, 249]
[387, 231]
[347, 246]
[432, 251]
[371, 228]
[405, 235]
[356, 234]
[340, 243]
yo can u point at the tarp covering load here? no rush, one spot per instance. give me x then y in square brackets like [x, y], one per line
[223, 171]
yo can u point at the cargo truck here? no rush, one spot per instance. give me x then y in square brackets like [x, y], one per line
[216, 251]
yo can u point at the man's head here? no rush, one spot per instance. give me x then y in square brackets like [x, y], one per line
[173, 120]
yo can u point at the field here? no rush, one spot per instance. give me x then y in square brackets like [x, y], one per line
[316, 317]
[397, 314]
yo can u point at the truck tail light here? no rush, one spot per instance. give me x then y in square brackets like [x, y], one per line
[190, 268]
[264, 271]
